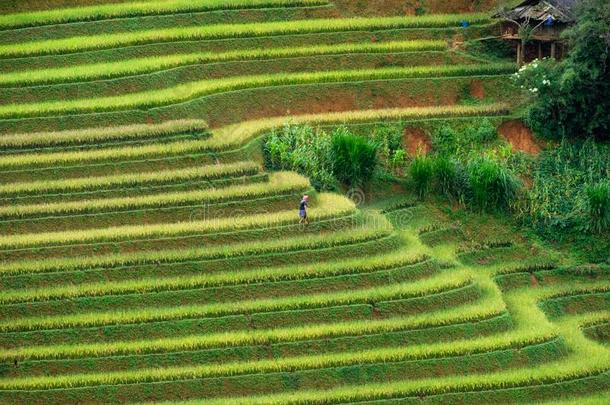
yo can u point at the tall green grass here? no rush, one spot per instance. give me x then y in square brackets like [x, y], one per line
[221, 31]
[138, 8]
[210, 172]
[279, 183]
[328, 206]
[102, 134]
[188, 91]
[152, 64]
[434, 285]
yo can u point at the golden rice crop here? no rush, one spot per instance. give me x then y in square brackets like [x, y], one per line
[138, 8]
[279, 183]
[265, 274]
[433, 285]
[101, 134]
[490, 306]
[328, 206]
[379, 229]
[188, 91]
[221, 31]
[129, 179]
[137, 66]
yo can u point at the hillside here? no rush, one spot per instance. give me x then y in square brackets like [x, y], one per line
[150, 255]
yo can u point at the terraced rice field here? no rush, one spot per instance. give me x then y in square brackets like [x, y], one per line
[146, 256]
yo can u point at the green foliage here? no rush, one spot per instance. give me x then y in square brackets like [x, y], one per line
[422, 174]
[559, 201]
[486, 132]
[446, 176]
[462, 142]
[599, 206]
[304, 150]
[572, 97]
[492, 186]
[445, 141]
[324, 157]
[490, 48]
[355, 158]
[391, 154]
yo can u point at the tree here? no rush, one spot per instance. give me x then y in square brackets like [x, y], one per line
[572, 97]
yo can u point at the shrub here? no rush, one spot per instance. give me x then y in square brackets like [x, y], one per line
[355, 158]
[598, 198]
[492, 185]
[445, 140]
[422, 172]
[485, 133]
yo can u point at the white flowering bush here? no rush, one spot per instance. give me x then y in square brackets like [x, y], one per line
[539, 77]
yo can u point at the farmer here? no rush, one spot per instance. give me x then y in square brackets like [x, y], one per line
[303, 210]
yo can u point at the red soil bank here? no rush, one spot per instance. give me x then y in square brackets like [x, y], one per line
[415, 140]
[519, 136]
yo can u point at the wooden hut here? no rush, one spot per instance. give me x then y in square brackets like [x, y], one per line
[545, 20]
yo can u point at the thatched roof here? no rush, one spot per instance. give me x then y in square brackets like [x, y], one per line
[541, 10]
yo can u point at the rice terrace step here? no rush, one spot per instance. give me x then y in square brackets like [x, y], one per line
[153, 155]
